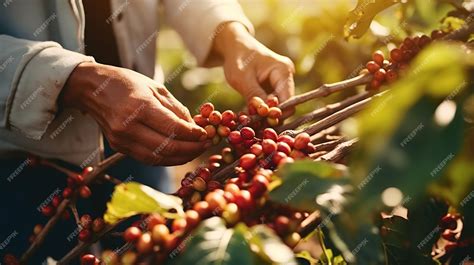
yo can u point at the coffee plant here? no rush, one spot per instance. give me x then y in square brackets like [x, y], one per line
[385, 176]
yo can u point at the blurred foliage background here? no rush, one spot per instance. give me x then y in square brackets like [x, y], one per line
[310, 32]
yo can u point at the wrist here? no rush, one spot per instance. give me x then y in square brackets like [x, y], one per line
[230, 38]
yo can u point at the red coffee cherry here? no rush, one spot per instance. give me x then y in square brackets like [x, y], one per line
[206, 109]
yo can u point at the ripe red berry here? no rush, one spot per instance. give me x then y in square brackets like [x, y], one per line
[85, 235]
[223, 131]
[256, 149]
[227, 116]
[310, 148]
[391, 76]
[272, 101]
[85, 192]
[144, 244]
[449, 221]
[274, 113]
[98, 224]
[248, 161]
[424, 40]
[297, 154]
[215, 118]
[153, 220]
[213, 185]
[285, 160]
[262, 110]
[213, 166]
[235, 137]
[56, 201]
[170, 242]
[269, 146]
[86, 221]
[202, 207]
[206, 109]
[380, 75]
[79, 179]
[287, 139]
[243, 200]
[210, 130]
[200, 120]
[270, 133]
[283, 147]
[179, 225]
[374, 84]
[184, 192]
[89, 259]
[47, 210]
[132, 234]
[449, 235]
[67, 192]
[301, 141]
[259, 186]
[372, 67]
[205, 173]
[282, 225]
[256, 102]
[277, 157]
[244, 120]
[215, 158]
[409, 43]
[247, 133]
[378, 57]
[396, 55]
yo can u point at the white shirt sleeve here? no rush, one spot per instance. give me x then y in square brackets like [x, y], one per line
[197, 21]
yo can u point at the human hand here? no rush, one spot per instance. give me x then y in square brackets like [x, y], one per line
[248, 64]
[138, 116]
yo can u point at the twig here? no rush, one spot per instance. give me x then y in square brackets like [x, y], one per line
[324, 111]
[462, 33]
[59, 168]
[73, 208]
[325, 90]
[100, 169]
[328, 145]
[224, 172]
[309, 224]
[339, 152]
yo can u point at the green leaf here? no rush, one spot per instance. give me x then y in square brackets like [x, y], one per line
[133, 198]
[213, 243]
[269, 246]
[301, 182]
[359, 19]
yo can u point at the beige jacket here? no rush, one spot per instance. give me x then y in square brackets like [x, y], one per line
[40, 50]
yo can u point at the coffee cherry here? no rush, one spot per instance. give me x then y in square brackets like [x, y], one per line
[227, 116]
[202, 207]
[259, 186]
[86, 221]
[85, 235]
[248, 161]
[192, 218]
[380, 75]
[85, 172]
[129, 258]
[231, 214]
[270, 133]
[213, 166]
[272, 101]
[449, 221]
[262, 110]
[47, 210]
[285, 160]
[199, 184]
[374, 84]
[179, 225]
[200, 120]
[269, 146]
[297, 154]
[98, 224]
[274, 113]
[292, 239]
[213, 185]
[37, 229]
[216, 201]
[215, 158]
[409, 43]
[449, 235]
[273, 121]
[144, 244]
[391, 76]
[277, 157]
[243, 200]
[56, 201]
[256, 102]
[210, 130]
[372, 67]
[159, 232]
[235, 137]
[215, 118]
[170, 242]
[301, 141]
[184, 191]
[283, 147]
[244, 120]
[206, 109]
[223, 131]
[256, 149]
[132, 234]
[89, 259]
[282, 225]
[232, 188]
[396, 55]
[85, 192]
[67, 192]
[247, 133]
[227, 155]
[287, 139]
[378, 57]
[424, 40]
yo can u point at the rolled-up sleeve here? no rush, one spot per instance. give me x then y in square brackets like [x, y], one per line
[32, 75]
[198, 21]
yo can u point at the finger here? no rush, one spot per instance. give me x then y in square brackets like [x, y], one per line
[170, 102]
[282, 82]
[251, 88]
[166, 122]
[167, 145]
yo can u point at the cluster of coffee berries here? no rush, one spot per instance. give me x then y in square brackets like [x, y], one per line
[449, 224]
[388, 70]
[88, 227]
[219, 125]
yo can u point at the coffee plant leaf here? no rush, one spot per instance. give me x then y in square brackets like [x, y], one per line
[299, 183]
[133, 198]
[212, 243]
[359, 19]
[269, 246]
